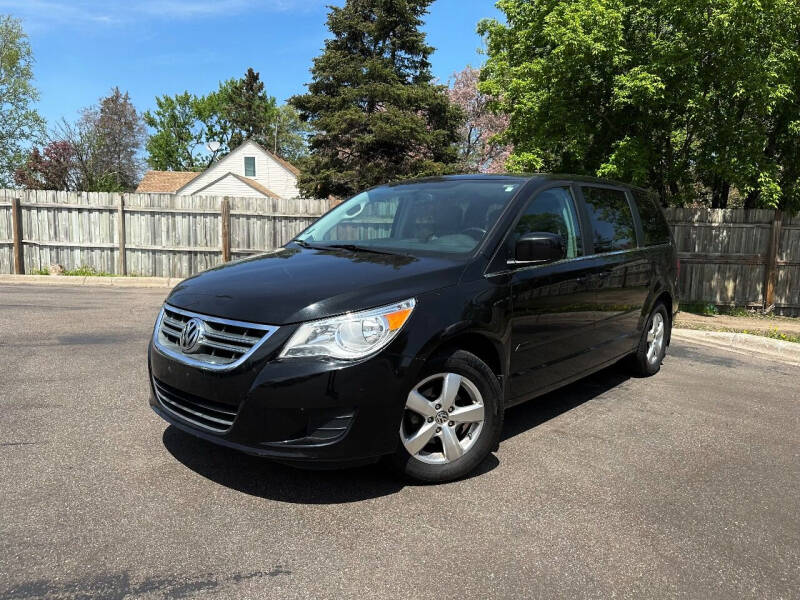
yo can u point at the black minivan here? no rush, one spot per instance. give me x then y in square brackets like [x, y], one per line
[408, 318]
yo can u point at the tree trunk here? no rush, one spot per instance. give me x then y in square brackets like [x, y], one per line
[719, 193]
[751, 201]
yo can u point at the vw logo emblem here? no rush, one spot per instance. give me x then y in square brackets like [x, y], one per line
[192, 336]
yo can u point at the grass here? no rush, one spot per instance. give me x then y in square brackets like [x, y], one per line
[735, 311]
[700, 308]
[777, 335]
[86, 271]
[711, 310]
[82, 271]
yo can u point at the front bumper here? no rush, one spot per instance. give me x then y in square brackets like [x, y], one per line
[290, 409]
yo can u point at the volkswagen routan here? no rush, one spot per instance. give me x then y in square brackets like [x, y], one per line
[407, 319]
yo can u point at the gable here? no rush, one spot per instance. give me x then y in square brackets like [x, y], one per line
[234, 163]
[231, 184]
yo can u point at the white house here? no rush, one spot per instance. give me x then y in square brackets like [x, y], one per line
[249, 170]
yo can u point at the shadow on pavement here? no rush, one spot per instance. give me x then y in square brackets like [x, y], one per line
[267, 479]
[533, 413]
[274, 481]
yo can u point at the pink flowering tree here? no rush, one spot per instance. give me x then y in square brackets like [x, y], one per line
[479, 149]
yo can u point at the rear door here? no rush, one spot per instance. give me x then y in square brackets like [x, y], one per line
[621, 271]
[551, 303]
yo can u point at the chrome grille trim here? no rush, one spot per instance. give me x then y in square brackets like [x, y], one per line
[218, 418]
[225, 345]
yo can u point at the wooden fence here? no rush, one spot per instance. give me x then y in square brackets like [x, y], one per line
[142, 234]
[739, 257]
[728, 257]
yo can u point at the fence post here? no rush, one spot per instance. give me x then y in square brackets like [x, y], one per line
[122, 263]
[16, 234]
[771, 268]
[225, 229]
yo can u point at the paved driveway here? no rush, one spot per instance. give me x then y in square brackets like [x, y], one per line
[687, 484]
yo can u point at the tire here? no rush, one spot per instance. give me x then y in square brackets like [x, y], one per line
[440, 437]
[646, 361]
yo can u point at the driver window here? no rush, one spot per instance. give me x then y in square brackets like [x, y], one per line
[552, 211]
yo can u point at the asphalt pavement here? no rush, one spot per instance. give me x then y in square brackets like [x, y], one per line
[686, 484]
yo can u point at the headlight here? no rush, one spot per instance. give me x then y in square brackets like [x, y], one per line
[350, 336]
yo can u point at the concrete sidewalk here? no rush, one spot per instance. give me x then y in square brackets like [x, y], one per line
[148, 282]
[742, 343]
[761, 324]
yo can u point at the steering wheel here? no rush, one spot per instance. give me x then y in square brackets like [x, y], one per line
[474, 232]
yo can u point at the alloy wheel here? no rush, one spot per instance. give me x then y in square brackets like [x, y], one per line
[443, 418]
[655, 338]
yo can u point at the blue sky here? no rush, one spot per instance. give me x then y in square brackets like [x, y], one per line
[151, 47]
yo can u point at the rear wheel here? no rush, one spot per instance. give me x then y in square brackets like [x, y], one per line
[452, 419]
[647, 359]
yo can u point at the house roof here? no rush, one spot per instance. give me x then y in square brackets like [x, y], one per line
[284, 163]
[256, 186]
[165, 182]
[246, 180]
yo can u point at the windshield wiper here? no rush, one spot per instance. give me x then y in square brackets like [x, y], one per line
[303, 243]
[356, 248]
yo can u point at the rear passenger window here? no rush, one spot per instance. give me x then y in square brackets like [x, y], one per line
[654, 225]
[552, 211]
[611, 219]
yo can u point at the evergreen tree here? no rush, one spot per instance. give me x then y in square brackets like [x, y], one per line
[249, 109]
[377, 114]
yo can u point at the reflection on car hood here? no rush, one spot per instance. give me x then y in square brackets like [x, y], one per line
[297, 284]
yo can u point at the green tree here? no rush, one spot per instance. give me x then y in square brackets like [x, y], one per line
[376, 112]
[20, 124]
[106, 141]
[288, 136]
[174, 144]
[119, 135]
[248, 108]
[685, 96]
[237, 110]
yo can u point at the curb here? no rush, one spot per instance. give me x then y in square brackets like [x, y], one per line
[92, 280]
[743, 343]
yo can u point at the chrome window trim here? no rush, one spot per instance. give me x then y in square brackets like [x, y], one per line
[576, 259]
[187, 360]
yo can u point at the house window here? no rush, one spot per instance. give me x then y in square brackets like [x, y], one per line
[249, 166]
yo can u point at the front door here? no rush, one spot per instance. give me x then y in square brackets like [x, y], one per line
[552, 312]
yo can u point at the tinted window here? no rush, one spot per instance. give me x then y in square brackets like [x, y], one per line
[446, 216]
[611, 219]
[654, 225]
[552, 211]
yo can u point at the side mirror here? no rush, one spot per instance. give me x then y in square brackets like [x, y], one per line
[539, 247]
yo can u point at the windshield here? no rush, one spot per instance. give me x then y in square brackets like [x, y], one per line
[445, 216]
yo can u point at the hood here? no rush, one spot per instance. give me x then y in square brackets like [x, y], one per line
[297, 284]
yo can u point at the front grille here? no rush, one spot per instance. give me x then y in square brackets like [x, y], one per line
[220, 343]
[199, 411]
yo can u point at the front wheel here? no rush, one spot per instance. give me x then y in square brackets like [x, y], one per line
[652, 347]
[452, 419]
